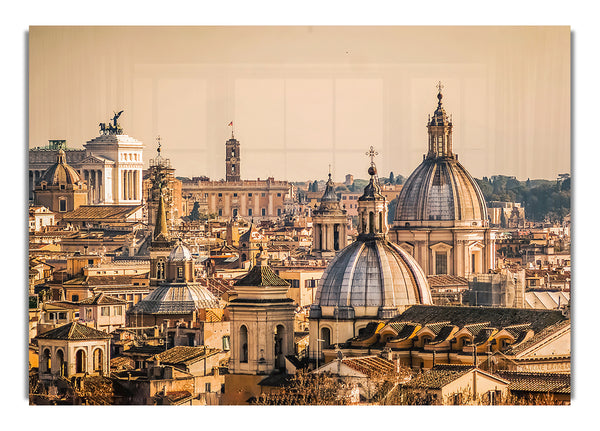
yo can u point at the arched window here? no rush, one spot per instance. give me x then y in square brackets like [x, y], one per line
[160, 270]
[371, 222]
[62, 366]
[336, 237]
[326, 337]
[80, 361]
[243, 344]
[47, 361]
[98, 358]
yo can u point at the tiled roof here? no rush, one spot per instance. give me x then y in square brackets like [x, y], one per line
[73, 331]
[406, 331]
[518, 348]
[496, 317]
[261, 275]
[368, 331]
[370, 365]
[447, 280]
[102, 280]
[184, 354]
[438, 376]
[437, 326]
[537, 382]
[102, 299]
[122, 363]
[104, 213]
[443, 334]
[516, 330]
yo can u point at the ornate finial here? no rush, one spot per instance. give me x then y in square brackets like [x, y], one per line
[372, 153]
[231, 125]
[439, 95]
[158, 142]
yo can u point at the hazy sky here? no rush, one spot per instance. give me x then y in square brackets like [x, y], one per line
[302, 98]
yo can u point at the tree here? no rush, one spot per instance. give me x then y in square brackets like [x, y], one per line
[195, 214]
[391, 178]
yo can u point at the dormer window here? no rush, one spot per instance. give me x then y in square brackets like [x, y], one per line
[180, 272]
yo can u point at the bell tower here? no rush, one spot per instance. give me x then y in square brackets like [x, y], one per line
[329, 224]
[232, 159]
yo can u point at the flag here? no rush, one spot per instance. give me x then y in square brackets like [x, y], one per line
[230, 124]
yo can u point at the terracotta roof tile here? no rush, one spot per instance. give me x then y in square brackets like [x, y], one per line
[73, 331]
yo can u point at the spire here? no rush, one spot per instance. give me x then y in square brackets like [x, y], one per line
[329, 195]
[160, 228]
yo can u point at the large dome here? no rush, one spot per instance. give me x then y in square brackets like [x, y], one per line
[60, 173]
[373, 273]
[176, 298]
[440, 189]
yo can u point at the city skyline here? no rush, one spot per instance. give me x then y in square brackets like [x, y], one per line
[302, 98]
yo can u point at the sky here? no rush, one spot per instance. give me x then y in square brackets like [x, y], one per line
[302, 98]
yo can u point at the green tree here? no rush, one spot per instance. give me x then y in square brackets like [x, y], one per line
[195, 214]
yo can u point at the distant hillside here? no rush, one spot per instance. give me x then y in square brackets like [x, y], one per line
[542, 199]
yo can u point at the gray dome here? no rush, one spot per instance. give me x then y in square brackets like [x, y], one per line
[60, 173]
[373, 273]
[177, 298]
[440, 189]
[179, 253]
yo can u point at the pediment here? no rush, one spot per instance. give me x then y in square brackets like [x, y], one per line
[440, 246]
[96, 160]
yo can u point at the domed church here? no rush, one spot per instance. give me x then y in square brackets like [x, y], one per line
[61, 189]
[441, 217]
[370, 279]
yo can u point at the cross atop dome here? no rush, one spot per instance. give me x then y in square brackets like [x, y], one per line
[439, 95]
[372, 153]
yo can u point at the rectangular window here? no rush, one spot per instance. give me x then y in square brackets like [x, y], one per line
[62, 316]
[180, 272]
[278, 195]
[220, 194]
[220, 212]
[118, 310]
[441, 266]
[74, 298]
[278, 211]
[226, 342]
[105, 311]
[262, 195]
[207, 387]
[249, 195]
[249, 211]
[89, 314]
[235, 195]
[263, 211]
[90, 261]
[62, 205]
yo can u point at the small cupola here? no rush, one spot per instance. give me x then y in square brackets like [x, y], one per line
[372, 206]
[439, 128]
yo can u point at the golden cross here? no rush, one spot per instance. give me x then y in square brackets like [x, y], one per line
[372, 153]
[439, 86]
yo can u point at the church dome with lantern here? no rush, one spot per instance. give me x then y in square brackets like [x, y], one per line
[372, 273]
[61, 173]
[440, 188]
[441, 215]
